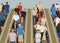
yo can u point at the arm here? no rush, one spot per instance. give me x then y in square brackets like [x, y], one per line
[16, 37]
[35, 39]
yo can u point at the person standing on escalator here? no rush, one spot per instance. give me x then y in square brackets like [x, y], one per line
[19, 6]
[53, 11]
[7, 6]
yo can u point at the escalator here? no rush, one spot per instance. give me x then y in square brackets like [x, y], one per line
[7, 26]
[51, 32]
[5, 18]
[51, 29]
[52, 35]
[28, 38]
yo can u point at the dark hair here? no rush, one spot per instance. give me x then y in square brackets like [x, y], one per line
[59, 24]
[53, 5]
[3, 8]
[56, 3]
[6, 2]
[19, 2]
[38, 30]
[16, 10]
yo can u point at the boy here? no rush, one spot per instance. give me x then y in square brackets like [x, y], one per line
[38, 37]
[20, 32]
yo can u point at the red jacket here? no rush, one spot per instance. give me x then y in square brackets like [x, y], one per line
[20, 7]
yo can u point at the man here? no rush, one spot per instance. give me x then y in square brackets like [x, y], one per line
[53, 11]
[7, 6]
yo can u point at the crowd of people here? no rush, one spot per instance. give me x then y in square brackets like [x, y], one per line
[55, 13]
[16, 34]
[4, 11]
[39, 23]
[18, 25]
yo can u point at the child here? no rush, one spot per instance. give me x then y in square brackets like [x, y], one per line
[20, 32]
[38, 37]
[12, 36]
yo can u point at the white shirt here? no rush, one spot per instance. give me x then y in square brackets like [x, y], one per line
[16, 17]
[34, 13]
[38, 37]
[57, 20]
[42, 28]
[12, 36]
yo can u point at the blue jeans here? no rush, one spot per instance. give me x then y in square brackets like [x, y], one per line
[37, 42]
[7, 12]
[12, 42]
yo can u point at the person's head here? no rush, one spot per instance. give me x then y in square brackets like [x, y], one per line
[19, 25]
[38, 22]
[43, 16]
[12, 30]
[16, 11]
[6, 2]
[14, 22]
[42, 23]
[39, 2]
[37, 31]
[56, 3]
[20, 3]
[1, 3]
[53, 5]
